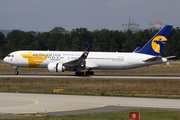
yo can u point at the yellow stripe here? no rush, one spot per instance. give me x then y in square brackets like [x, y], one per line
[80, 109]
[35, 101]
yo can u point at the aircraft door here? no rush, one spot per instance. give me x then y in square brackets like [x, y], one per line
[17, 57]
[129, 60]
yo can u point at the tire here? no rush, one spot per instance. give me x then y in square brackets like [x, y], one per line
[16, 72]
[86, 73]
[91, 73]
[82, 73]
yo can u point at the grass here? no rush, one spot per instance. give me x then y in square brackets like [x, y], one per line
[111, 87]
[160, 69]
[145, 114]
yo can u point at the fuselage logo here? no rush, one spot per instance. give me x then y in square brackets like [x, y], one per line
[158, 42]
[35, 59]
[86, 53]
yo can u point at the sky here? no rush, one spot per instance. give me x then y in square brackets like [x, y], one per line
[44, 15]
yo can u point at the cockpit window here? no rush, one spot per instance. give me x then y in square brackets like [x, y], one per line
[9, 55]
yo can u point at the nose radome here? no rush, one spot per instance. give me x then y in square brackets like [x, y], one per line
[5, 60]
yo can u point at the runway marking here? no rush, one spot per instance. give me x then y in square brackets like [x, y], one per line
[52, 111]
[146, 106]
[20, 98]
[164, 77]
[78, 109]
[20, 114]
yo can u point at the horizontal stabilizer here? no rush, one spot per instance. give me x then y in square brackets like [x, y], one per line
[170, 57]
[153, 59]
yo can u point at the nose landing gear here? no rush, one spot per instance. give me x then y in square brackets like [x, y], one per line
[15, 68]
[16, 72]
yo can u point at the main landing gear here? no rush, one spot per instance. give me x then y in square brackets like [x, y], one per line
[86, 73]
[89, 73]
[79, 73]
[16, 72]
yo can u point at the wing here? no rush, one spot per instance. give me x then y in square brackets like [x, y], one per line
[80, 60]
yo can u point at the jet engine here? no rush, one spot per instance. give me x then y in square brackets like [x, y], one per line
[55, 67]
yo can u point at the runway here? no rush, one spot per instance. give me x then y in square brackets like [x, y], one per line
[166, 77]
[25, 104]
[32, 103]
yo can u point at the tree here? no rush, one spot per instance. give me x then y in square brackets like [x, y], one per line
[2, 43]
[129, 41]
[172, 46]
[81, 38]
[2, 39]
[13, 40]
[58, 30]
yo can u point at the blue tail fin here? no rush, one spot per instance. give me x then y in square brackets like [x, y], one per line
[86, 52]
[156, 45]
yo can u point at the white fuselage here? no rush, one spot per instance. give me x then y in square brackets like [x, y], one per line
[95, 60]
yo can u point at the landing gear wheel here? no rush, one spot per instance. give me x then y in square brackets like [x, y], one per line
[76, 73]
[16, 72]
[79, 73]
[89, 73]
[15, 68]
[82, 73]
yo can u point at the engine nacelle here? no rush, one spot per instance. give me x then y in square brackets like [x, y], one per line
[55, 67]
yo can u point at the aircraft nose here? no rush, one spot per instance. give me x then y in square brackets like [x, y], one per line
[5, 60]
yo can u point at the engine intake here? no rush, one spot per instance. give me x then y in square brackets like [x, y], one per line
[55, 67]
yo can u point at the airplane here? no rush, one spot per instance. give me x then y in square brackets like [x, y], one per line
[60, 61]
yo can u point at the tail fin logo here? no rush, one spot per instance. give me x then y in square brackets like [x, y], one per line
[158, 42]
[86, 53]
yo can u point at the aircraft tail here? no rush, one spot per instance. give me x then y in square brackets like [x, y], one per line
[156, 45]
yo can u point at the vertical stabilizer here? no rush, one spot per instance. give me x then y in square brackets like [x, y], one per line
[156, 45]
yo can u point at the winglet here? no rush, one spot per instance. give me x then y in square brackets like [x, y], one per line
[86, 52]
[136, 50]
[156, 45]
[80, 59]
